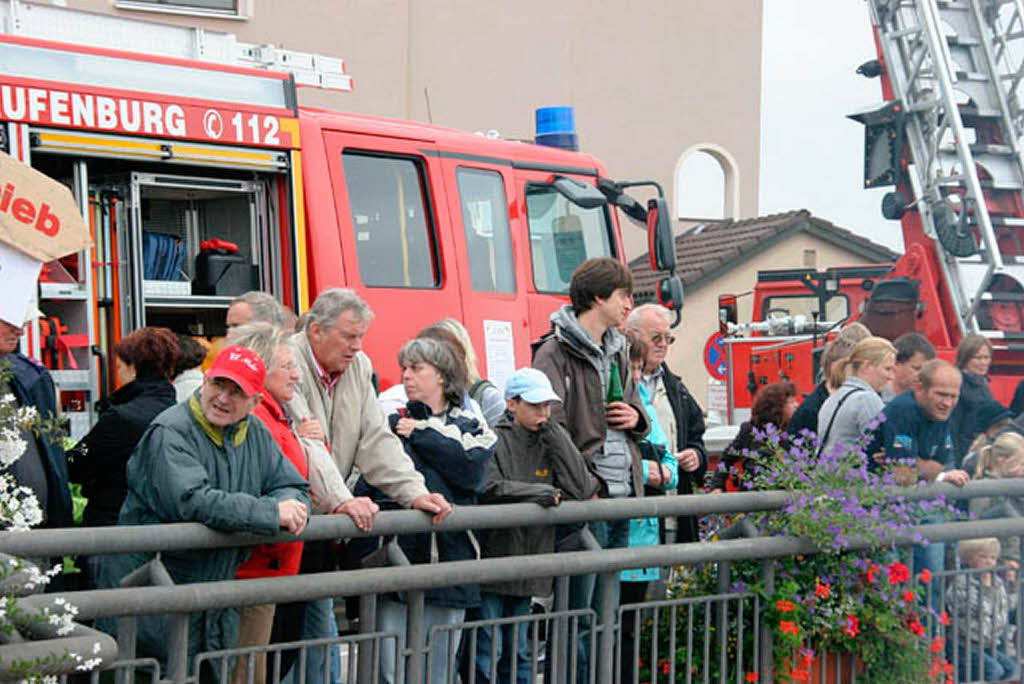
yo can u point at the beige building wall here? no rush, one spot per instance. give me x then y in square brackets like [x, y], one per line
[648, 80]
[700, 306]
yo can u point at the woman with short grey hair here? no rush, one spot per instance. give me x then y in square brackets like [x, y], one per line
[452, 448]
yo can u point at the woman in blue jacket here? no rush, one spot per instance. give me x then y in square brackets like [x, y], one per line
[660, 472]
[451, 447]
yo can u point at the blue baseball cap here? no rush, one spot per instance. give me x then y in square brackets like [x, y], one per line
[530, 385]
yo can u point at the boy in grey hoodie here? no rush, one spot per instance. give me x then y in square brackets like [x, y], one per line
[536, 462]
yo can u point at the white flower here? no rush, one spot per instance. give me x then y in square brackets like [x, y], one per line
[96, 648]
[12, 446]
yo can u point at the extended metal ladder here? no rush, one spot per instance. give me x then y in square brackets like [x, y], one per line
[956, 68]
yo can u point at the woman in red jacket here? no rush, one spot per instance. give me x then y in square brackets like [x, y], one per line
[269, 560]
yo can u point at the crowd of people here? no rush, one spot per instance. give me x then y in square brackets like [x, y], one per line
[286, 422]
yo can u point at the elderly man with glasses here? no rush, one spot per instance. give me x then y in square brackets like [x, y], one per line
[678, 412]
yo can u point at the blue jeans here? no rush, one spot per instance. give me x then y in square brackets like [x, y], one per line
[391, 617]
[992, 666]
[320, 624]
[492, 607]
[931, 557]
[613, 534]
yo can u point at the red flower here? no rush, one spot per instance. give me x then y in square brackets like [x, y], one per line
[751, 677]
[664, 667]
[822, 590]
[788, 627]
[872, 569]
[784, 606]
[936, 668]
[805, 660]
[944, 618]
[916, 627]
[852, 627]
[898, 572]
[800, 676]
[925, 576]
[908, 596]
[937, 645]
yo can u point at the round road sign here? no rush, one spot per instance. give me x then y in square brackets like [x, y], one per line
[714, 357]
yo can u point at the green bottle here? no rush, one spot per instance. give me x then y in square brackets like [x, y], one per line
[614, 384]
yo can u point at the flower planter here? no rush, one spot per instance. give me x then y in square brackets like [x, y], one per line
[830, 668]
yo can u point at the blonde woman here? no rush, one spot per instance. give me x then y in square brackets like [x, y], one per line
[806, 416]
[847, 412]
[491, 401]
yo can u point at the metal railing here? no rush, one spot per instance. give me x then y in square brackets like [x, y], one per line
[561, 626]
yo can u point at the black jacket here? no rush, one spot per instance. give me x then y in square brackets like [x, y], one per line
[1017, 405]
[806, 415]
[963, 422]
[33, 386]
[689, 435]
[530, 467]
[452, 451]
[98, 461]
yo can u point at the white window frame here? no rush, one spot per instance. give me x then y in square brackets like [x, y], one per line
[243, 9]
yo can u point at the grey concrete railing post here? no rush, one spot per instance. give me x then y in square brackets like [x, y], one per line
[608, 587]
[767, 646]
[415, 639]
[558, 631]
[368, 651]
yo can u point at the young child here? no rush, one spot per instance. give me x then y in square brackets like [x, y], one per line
[981, 609]
[536, 462]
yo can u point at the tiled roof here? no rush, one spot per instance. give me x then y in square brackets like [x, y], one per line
[711, 248]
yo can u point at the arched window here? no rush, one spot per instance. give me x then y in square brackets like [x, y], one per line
[706, 183]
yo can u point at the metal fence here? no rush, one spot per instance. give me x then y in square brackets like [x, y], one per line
[721, 634]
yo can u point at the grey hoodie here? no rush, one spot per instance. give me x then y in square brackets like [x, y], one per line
[612, 462]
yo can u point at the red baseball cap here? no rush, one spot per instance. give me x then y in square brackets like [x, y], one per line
[242, 366]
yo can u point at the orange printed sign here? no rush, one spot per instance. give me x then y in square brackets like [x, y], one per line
[38, 215]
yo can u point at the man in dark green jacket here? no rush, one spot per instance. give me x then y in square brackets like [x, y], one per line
[206, 460]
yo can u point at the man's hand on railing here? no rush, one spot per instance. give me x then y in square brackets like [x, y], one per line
[433, 503]
[361, 509]
[956, 477]
[292, 516]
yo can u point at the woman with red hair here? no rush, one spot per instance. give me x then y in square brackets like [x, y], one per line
[773, 405]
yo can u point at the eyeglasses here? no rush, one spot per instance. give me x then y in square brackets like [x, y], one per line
[659, 338]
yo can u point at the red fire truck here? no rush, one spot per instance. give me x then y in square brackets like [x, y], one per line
[172, 158]
[947, 139]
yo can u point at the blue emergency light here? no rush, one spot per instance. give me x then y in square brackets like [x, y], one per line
[556, 127]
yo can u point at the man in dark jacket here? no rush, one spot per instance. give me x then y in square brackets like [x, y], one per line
[587, 361]
[43, 467]
[535, 462]
[679, 414]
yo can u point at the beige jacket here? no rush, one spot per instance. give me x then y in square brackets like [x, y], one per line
[356, 430]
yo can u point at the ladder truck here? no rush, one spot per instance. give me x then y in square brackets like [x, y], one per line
[947, 139]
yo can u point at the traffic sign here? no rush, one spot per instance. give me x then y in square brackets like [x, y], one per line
[714, 357]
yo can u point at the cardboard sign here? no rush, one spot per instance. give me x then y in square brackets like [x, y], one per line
[19, 273]
[38, 215]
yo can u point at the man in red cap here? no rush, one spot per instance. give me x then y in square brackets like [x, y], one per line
[206, 460]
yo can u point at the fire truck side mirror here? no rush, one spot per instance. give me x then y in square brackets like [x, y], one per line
[670, 294]
[660, 242]
[727, 313]
[581, 194]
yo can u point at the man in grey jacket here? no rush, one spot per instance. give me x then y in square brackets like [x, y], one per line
[336, 389]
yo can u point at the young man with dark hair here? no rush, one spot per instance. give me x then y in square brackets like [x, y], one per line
[587, 361]
[913, 350]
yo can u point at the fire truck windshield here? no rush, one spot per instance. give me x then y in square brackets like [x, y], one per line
[562, 236]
